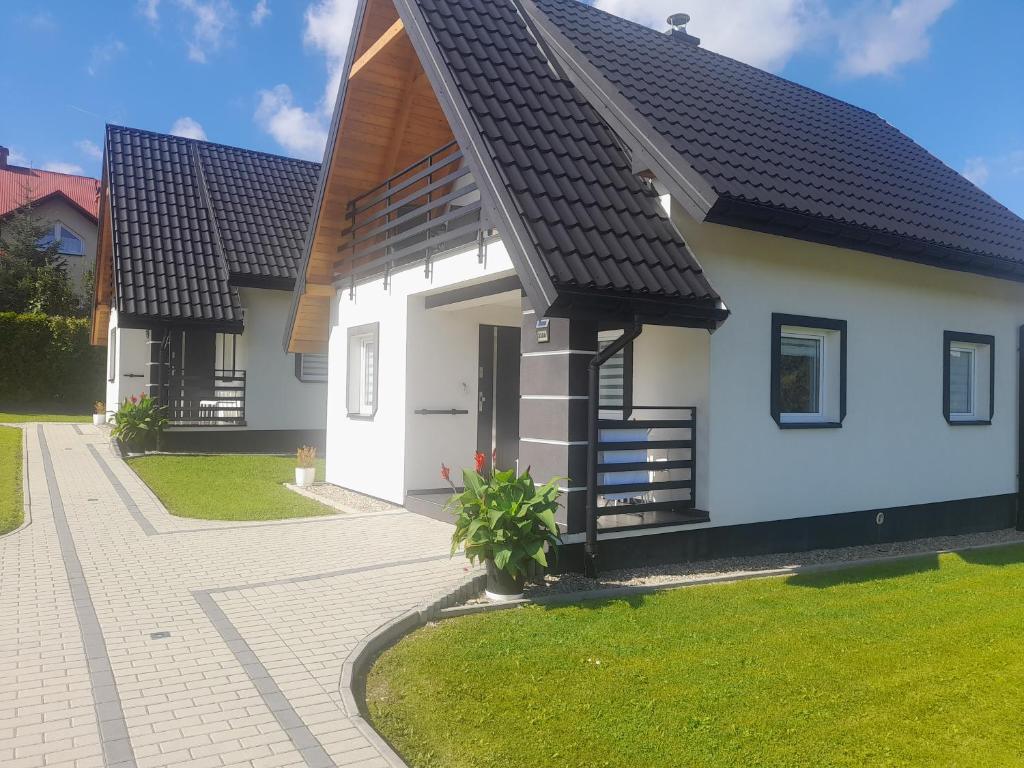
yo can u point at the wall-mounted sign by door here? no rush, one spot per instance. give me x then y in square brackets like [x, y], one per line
[543, 336]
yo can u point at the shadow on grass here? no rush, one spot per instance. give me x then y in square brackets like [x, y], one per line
[860, 574]
[1012, 554]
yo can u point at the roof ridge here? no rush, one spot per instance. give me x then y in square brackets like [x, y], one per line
[189, 140]
[204, 195]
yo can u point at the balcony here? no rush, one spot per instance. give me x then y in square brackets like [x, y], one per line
[423, 210]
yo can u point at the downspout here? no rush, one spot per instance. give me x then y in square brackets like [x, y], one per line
[594, 437]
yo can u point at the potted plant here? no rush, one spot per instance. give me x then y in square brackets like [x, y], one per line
[305, 466]
[506, 521]
[99, 413]
[138, 424]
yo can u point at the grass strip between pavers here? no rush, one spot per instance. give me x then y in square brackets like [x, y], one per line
[12, 503]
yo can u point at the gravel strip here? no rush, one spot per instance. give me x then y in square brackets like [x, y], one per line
[348, 501]
[745, 566]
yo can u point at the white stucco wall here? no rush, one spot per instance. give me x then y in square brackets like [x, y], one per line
[275, 398]
[895, 448]
[424, 358]
[130, 369]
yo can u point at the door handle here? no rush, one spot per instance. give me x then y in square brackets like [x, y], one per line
[481, 399]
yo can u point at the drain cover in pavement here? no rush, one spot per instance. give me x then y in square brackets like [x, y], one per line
[159, 635]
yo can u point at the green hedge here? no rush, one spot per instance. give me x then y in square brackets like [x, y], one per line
[48, 361]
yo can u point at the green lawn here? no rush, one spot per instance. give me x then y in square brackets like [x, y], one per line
[909, 664]
[228, 487]
[12, 510]
[20, 417]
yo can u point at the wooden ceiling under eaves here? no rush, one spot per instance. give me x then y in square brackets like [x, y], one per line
[103, 277]
[390, 118]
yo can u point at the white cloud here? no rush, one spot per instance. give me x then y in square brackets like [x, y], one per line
[17, 158]
[298, 131]
[89, 148]
[328, 27]
[881, 37]
[59, 167]
[765, 33]
[103, 54]
[976, 170]
[188, 128]
[304, 131]
[259, 13]
[211, 22]
[150, 10]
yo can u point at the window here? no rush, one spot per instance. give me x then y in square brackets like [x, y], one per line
[112, 355]
[968, 376]
[808, 370]
[227, 357]
[616, 375]
[71, 244]
[311, 368]
[361, 380]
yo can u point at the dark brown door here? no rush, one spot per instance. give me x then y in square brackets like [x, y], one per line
[497, 430]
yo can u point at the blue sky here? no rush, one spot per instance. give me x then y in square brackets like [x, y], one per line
[263, 73]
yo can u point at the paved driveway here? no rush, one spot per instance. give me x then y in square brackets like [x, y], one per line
[132, 638]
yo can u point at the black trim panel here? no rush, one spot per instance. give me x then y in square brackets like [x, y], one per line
[478, 291]
[804, 321]
[948, 337]
[942, 518]
[226, 440]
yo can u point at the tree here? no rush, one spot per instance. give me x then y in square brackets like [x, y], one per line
[33, 277]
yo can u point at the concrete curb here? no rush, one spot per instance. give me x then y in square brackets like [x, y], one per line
[341, 507]
[26, 488]
[353, 672]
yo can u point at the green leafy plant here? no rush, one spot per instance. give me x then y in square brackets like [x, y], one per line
[139, 420]
[504, 518]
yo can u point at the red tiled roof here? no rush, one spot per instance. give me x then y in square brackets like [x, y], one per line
[15, 180]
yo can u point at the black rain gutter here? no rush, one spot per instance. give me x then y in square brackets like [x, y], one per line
[594, 437]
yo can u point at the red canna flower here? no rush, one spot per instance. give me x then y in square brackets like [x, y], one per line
[446, 473]
[478, 462]
[134, 399]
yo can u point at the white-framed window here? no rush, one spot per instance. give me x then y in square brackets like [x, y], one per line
[363, 370]
[112, 355]
[71, 243]
[808, 386]
[616, 375]
[311, 367]
[968, 370]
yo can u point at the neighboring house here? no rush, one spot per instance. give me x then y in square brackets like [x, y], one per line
[68, 203]
[807, 324]
[199, 245]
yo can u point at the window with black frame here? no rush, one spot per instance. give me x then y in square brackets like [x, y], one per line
[808, 370]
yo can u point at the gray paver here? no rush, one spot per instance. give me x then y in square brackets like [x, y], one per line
[260, 618]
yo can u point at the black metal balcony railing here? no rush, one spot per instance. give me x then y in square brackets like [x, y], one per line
[647, 464]
[430, 207]
[206, 400]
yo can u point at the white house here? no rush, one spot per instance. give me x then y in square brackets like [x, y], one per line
[732, 314]
[198, 250]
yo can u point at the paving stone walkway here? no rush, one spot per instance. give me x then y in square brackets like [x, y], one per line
[129, 637]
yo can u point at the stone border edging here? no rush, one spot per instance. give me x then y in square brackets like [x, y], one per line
[353, 672]
[360, 660]
[26, 487]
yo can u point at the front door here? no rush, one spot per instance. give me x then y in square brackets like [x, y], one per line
[497, 430]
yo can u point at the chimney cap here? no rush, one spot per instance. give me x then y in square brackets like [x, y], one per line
[678, 22]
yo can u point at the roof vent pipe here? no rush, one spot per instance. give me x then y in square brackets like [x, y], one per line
[678, 22]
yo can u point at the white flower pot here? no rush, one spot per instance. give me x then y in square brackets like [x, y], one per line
[304, 476]
[99, 419]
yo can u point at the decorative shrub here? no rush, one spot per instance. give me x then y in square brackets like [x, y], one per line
[504, 518]
[140, 421]
[48, 361]
[305, 457]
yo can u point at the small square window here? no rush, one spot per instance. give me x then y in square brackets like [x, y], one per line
[311, 368]
[808, 387]
[968, 378]
[363, 368]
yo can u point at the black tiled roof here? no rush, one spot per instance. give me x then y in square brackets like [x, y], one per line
[191, 219]
[597, 228]
[764, 141]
